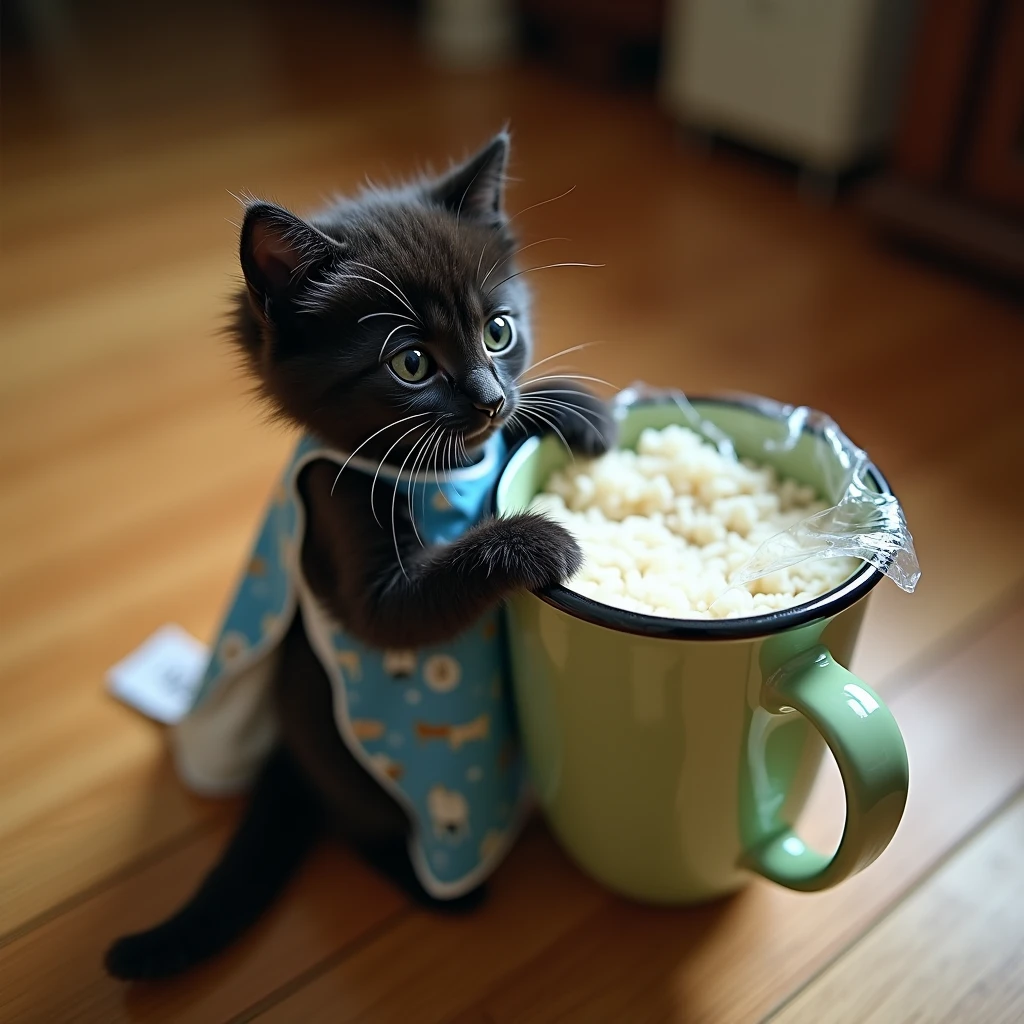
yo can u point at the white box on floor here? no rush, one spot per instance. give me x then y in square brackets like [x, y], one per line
[816, 81]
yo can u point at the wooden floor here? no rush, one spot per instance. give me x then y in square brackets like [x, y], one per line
[133, 467]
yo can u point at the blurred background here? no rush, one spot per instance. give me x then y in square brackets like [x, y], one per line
[822, 202]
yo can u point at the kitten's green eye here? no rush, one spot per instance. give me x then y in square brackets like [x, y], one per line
[500, 333]
[412, 365]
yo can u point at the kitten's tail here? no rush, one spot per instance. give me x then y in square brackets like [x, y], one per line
[280, 824]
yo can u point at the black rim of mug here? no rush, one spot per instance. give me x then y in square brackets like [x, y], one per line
[748, 627]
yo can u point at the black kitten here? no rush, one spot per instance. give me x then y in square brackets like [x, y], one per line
[398, 311]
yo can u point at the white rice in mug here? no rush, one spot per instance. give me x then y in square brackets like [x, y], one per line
[664, 527]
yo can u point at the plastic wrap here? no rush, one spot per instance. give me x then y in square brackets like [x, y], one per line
[862, 522]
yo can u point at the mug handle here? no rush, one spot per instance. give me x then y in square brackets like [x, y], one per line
[868, 747]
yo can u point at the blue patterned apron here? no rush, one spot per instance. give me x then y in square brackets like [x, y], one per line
[433, 725]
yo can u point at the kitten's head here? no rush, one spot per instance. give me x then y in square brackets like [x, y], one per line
[398, 303]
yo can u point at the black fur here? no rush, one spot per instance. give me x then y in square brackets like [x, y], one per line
[276, 832]
[313, 325]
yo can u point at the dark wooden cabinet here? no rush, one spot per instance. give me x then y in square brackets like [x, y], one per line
[605, 40]
[995, 160]
[956, 178]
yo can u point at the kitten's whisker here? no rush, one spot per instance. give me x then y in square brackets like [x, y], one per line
[430, 466]
[415, 426]
[542, 396]
[554, 391]
[513, 422]
[404, 419]
[412, 483]
[542, 399]
[421, 475]
[543, 202]
[547, 266]
[411, 497]
[424, 465]
[543, 419]
[393, 284]
[480, 258]
[388, 338]
[457, 460]
[526, 209]
[415, 467]
[448, 447]
[394, 497]
[522, 248]
[564, 352]
[371, 315]
[458, 212]
[569, 376]
[379, 284]
[576, 410]
[438, 461]
[545, 426]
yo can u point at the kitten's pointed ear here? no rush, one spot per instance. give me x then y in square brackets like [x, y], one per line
[279, 252]
[476, 188]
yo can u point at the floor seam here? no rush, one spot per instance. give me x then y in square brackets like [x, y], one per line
[919, 882]
[316, 970]
[159, 853]
[902, 680]
[911, 676]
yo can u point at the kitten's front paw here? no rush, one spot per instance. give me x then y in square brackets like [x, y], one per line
[526, 551]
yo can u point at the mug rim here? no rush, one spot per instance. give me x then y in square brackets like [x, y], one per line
[746, 627]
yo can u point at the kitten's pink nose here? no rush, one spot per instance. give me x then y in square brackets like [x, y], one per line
[491, 409]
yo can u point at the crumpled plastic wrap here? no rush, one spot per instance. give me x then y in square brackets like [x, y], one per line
[861, 522]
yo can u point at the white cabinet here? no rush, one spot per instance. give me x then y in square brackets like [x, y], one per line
[816, 81]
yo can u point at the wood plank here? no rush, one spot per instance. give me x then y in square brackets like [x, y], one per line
[964, 519]
[93, 726]
[730, 961]
[426, 967]
[80, 772]
[951, 953]
[54, 972]
[82, 834]
[133, 467]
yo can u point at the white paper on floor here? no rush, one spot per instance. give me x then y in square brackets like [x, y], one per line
[161, 677]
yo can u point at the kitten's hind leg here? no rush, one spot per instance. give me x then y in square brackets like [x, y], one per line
[393, 860]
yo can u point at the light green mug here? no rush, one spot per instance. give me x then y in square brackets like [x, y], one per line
[673, 757]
